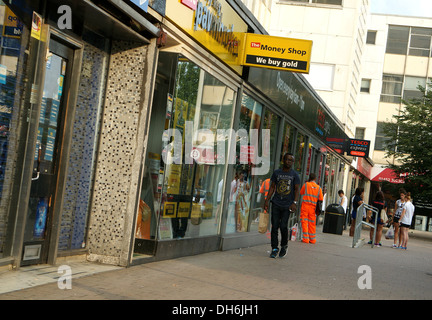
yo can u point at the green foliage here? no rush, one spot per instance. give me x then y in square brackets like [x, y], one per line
[410, 142]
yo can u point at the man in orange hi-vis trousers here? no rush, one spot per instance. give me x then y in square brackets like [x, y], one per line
[311, 193]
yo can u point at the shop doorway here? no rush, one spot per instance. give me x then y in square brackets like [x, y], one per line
[49, 151]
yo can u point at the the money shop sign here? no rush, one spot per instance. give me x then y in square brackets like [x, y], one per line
[277, 53]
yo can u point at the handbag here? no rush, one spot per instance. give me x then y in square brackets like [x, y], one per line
[263, 222]
[383, 216]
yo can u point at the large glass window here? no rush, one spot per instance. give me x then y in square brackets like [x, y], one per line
[287, 142]
[397, 39]
[241, 187]
[420, 42]
[184, 182]
[262, 182]
[13, 61]
[300, 152]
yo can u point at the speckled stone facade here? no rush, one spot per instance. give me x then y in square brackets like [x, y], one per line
[120, 153]
[90, 101]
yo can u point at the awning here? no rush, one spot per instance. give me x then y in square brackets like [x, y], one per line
[385, 174]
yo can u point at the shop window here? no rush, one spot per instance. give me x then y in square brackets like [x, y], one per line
[262, 182]
[12, 76]
[300, 151]
[287, 142]
[242, 188]
[184, 198]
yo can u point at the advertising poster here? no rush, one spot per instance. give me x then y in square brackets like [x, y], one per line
[49, 151]
[36, 29]
[41, 216]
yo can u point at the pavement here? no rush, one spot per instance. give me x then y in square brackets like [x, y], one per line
[328, 270]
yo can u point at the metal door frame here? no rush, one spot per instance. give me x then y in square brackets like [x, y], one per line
[36, 86]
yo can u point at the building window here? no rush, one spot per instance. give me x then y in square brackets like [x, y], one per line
[360, 133]
[420, 42]
[411, 90]
[381, 140]
[321, 76]
[392, 88]
[371, 37]
[365, 85]
[397, 39]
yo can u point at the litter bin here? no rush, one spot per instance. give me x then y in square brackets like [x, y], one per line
[334, 218]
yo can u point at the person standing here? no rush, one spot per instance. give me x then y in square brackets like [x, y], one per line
[343, 200]
[379, 204]
[311, 193]
[406, 220]
[285, 188]
[357, 201]
[398, 211]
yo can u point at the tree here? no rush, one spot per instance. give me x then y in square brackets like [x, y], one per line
[410, 142]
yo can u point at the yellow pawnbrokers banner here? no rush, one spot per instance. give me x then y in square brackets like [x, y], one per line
[277, 53]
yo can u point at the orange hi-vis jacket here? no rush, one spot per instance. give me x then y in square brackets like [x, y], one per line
[311, 195]
[265, 187]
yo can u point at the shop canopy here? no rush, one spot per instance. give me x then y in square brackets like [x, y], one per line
[385, 174]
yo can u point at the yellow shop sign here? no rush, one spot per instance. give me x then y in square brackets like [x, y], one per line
[277, 53]
[214, 24]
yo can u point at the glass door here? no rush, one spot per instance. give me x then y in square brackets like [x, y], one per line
[47, 155]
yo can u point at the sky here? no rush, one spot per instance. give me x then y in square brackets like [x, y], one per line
[418, 8]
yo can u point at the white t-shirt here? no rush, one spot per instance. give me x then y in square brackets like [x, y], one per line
[409, 213]
[345, 203]
[399, 209]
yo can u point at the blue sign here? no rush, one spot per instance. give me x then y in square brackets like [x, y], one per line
[142, 4]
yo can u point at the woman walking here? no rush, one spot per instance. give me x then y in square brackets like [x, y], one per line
[405, 220]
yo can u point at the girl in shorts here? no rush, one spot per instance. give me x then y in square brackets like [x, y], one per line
[398, 211]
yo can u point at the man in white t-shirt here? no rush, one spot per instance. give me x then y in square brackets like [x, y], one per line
[343, 200]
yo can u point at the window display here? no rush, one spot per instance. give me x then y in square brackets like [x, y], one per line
[187, 179]
[12, 69]
[242, 185]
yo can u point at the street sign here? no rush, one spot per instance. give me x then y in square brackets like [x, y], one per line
[277, 53]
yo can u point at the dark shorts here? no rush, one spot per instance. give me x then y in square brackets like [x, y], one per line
[396, 219]
[403, 225]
